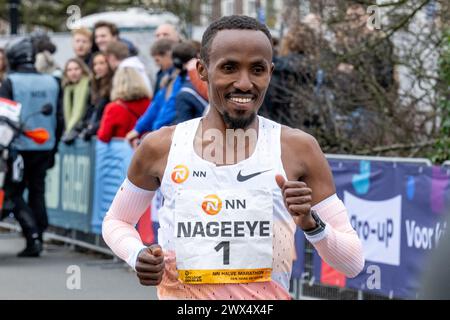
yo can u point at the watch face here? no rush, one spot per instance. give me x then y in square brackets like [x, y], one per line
[316, 218]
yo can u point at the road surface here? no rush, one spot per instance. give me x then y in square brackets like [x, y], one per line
[63, 273]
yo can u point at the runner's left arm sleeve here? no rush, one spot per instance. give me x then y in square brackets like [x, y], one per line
[338, 245]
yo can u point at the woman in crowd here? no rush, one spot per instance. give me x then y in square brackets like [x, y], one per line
[101, 84]
[189, 102]
[76, 93]
[130, 98]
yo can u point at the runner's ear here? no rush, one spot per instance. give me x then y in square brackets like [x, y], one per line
[202, 70]
[272, 67]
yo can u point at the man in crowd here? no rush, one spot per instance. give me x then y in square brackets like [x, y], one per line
[82, 44]
[106, 32]
[161, 52]
[167, 31]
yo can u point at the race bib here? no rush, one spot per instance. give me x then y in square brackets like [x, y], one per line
[223, 236]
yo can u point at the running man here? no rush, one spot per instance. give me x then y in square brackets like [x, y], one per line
[230, 210]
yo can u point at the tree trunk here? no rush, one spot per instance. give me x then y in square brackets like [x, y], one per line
[238, 7]
[216, 10]
[291, 12]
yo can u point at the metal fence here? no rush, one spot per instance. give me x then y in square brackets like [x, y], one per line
[306, 288]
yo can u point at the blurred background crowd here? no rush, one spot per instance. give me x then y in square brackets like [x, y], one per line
[362, 79]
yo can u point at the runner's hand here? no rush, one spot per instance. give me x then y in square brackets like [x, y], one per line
[297, 199]
[150, 265]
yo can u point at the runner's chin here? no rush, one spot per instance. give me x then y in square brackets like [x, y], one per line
[242, 120]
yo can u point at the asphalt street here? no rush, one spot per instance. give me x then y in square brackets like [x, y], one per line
[63, 273]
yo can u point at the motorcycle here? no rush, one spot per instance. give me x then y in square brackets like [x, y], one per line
[10, 128]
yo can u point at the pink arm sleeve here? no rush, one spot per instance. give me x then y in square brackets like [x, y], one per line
[118, 227]
[338, 245]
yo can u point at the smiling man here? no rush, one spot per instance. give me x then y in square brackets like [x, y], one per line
[227, 229]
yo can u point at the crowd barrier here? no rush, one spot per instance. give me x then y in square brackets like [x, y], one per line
[396, 205]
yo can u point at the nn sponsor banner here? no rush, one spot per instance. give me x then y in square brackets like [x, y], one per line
[398, 210]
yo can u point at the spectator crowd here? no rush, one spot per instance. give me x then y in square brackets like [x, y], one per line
[104, 89]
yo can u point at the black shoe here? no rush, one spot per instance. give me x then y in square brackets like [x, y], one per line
[32, 250]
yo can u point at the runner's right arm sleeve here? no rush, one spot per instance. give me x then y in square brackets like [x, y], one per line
[118, 228]
[339, 244]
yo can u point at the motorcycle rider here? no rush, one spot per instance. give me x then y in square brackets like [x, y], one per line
[33, 90]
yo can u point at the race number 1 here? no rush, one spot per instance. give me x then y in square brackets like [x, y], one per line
[225, 245]
[223, 236]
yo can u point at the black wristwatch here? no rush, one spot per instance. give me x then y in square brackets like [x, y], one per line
[320, 225]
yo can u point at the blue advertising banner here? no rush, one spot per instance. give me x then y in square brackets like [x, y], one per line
[69, 186]
[398, 210]
[112, 161]
[298, 265]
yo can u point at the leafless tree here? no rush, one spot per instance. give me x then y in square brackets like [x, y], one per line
[363, 81]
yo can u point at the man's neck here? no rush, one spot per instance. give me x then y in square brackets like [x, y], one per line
[213, 134]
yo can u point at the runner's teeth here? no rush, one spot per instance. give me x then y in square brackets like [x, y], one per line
[241, 100]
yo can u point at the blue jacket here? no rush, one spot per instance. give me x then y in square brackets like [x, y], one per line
[33, 90]
[189, 104]
[161, 112]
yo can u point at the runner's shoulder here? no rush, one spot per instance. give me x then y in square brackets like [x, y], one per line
[157, 143]
[300, 152]
[297, 140]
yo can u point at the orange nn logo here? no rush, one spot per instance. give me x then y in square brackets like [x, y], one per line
[180, 173]
[212, 204]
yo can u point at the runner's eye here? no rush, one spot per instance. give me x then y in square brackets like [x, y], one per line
[228, 67]
[258, 69]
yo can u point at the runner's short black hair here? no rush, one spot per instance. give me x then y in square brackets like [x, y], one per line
[233, 22]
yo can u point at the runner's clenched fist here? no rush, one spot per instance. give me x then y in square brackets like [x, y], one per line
[150, 265]
[297, 199]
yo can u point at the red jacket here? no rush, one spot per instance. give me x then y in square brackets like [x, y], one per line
[118, 120]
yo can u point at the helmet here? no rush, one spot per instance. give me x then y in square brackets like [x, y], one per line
[20, 51]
